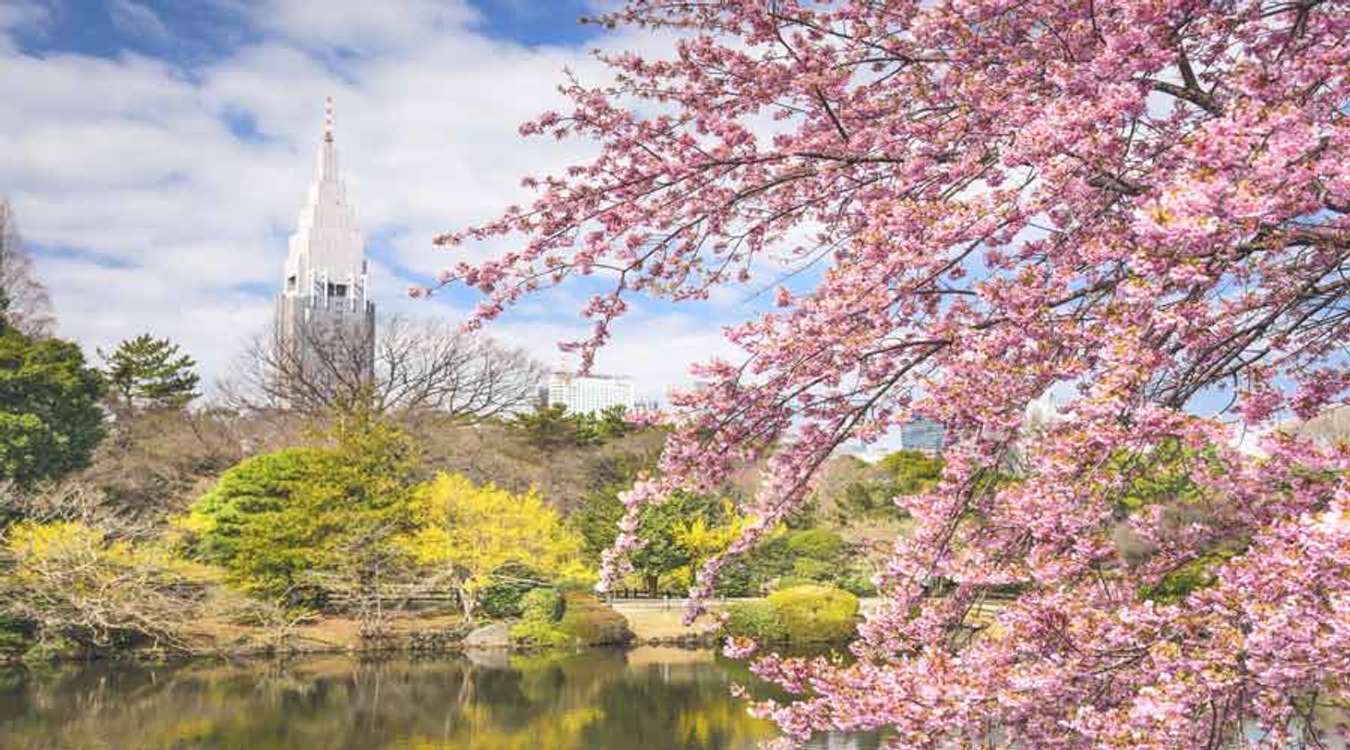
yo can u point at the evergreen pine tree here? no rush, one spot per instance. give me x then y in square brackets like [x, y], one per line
[150, 373]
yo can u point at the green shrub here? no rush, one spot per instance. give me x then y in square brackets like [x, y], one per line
[539, 634]
[858, 583]
[812, 569]
[542, 605]
[792, 582]
[305, 519]
[591, 622]
[816, 613]
[16, 635]
[503, 598]
[755, 619]
[817, 544]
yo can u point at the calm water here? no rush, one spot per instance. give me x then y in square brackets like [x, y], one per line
[646, 698]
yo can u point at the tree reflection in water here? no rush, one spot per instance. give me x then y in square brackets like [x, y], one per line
[648, 698]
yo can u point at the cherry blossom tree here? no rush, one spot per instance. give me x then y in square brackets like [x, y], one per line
[1139, 204]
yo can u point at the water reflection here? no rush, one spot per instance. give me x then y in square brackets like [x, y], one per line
[648, 698]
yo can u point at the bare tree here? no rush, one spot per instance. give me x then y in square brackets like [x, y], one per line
[80, 584]
[24, 302]
[409, 367]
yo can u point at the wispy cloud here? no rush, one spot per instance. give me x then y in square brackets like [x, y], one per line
[162, 197]
[135, 19]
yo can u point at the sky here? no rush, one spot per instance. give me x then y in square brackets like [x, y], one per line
[157, 153]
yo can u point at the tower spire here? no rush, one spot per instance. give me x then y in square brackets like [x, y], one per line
[328, 119]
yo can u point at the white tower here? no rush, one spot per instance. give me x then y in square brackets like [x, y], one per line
[324, 319]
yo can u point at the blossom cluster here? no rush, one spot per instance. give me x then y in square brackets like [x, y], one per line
[1136, 204]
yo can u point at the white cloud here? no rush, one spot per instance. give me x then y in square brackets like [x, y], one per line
[363, 27]
[167, 221]
[16, 14]
[136, 19]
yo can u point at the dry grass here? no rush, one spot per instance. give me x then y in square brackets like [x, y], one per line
[218, 634]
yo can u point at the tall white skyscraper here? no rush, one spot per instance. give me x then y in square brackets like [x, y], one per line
[590, 393]
[324, 318]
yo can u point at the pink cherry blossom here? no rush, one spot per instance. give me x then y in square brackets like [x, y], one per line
[1135, 203]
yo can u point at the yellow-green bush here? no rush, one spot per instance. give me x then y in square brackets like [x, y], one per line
[816, 613]
[541, 605]
[801, 614]
[591, 622]
[570, 619]
[538, 634]
[755, 619]
[68, 581]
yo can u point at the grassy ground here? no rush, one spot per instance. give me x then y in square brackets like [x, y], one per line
[659, 623]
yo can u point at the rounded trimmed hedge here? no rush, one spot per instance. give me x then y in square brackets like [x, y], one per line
[801, 614]
[592, 622]
[551, 619]
[541, 605]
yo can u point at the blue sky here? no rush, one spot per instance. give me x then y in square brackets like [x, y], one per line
[193, 33]
[158, 152]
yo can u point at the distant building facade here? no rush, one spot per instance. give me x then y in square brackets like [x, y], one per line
[325, 321]
[583, 394]
[923, 435]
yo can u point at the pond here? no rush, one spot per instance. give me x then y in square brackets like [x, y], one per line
[649, 698]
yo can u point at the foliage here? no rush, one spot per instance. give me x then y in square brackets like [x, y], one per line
[150, 373]
[16, 636]
[589, 621]
[74, 583]
[1147, 200]
[541, 610]
[469, 534]
[816, 544]
[50, 421]
[899, 473]
[542, 604]
[757, 619]
[551, 428]
[551, 619]
[666, 528]
[283, 521]
[259, 521]
[816, 613]
[505, 597]
[593, 428]
[702, 540]
[811, 569]
[804, 613]
[532, 633]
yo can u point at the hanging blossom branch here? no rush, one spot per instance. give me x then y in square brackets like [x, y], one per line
[1142, 202]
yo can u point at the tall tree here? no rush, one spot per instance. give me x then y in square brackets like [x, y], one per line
[472, 535]
[150, 373]
[664, 530]
[310, 522]
[418, 367]
[1146, 201]
[50, 420]
[24, 302]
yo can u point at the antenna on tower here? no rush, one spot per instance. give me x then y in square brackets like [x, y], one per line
[328, 118]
